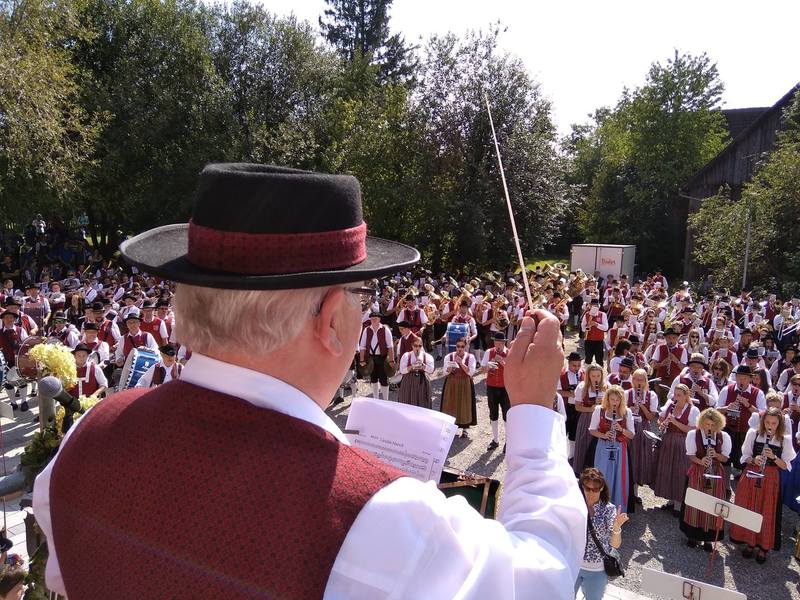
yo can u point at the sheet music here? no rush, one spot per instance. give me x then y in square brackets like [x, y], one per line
[413, 439]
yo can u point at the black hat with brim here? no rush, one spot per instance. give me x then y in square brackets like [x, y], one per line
[260, 227]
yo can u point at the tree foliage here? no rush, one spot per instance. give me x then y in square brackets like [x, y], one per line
[628, 164]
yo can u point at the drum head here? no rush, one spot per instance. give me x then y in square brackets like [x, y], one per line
[26, 366]
[138, 361]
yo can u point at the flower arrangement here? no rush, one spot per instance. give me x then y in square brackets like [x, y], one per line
[58, 361]
[44, 444]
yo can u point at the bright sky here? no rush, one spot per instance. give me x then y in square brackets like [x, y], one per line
[584, 52]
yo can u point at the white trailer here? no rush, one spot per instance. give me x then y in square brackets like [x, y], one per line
[608, 259]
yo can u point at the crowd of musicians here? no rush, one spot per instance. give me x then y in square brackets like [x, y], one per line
[670, 390]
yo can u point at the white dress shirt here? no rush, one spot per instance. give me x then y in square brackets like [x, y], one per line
[408, 360]
[149, 342]
[691, 443]
[436, 548]
[146, 380]
[787, 448]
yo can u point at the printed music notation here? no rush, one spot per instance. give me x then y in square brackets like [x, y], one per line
[413, 439]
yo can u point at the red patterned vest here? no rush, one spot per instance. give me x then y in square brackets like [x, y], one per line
[148, 516]
[740, 424]
[495, 378]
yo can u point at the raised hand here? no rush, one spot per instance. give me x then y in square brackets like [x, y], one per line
[533, 365]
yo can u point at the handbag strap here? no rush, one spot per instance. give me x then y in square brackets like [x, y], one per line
[594, 537]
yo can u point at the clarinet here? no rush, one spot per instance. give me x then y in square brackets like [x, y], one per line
[612, 449]
[763, 458]
[709, 472]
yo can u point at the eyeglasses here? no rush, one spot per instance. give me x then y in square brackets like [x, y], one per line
[460, 346]
[416, 345]
[365, 294]
[593, 490]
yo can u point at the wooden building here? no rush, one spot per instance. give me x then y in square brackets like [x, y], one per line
[753, 133]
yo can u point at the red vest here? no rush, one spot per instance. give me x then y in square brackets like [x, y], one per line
[740, 425]
[154, 329]
[406, 344]
[565, 384]
[495, 378]
[160, 373]
[702, 382]
[614, 379]
[85, 388]
[414, 317]
[104, 332]
[133, 341]
[701, 449]
[593, 334]
[9, 344]
[728, 358]
[157, 517]
[683, 419]
[383, 348]
[605, 426]
[671, 371]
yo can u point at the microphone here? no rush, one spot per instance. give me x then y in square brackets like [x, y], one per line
[50, 388]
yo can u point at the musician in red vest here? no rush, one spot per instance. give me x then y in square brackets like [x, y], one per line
[165, 370]
[496, 395]
[623, 377]
[153, 324]
[163, 313]
[107, 329]
[11, 338]
[702, 390]
[64, 331]
[135, 338]
[669, 358]
[245, 429]
[96, 346]
[737, 402]
[29, 325]
[415, 316]
[594, 325]
[91, 380]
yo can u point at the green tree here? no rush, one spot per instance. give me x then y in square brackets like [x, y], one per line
[359, 30]
[46, 135]
[630, 162]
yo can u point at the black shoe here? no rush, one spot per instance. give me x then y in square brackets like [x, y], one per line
[24, 406]
[14, 406]
[691, 543]
[707, 546]
[504, 448]
[761, 557]
[464, 434]
[492, 446]
[638, 500]
[667, 506]
[748, 552]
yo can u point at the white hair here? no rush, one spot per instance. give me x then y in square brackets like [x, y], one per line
[252, 321]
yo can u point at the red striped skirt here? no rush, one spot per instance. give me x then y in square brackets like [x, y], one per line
[697, 524]
[673, 464]
[643, 455]
[764, 500]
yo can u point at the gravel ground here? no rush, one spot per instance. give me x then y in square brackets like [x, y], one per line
[651, 537]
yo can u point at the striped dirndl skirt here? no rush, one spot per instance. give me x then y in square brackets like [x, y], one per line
[415, 388]
[672, 466]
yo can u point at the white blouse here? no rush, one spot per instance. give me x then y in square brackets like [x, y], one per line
[694, 412]
[787, 449]
[594, 424]
[691, 443]
[450, 363]
[408, 360]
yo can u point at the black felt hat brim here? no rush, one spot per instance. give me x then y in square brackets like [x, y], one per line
[163, 251]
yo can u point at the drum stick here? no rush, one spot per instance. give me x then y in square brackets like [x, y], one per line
[510, 210]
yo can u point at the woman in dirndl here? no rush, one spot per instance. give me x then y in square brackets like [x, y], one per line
[708, 448]
[677, 418]
[416, 366]
[588, 394]
[766, 451]
[643, 404]
[458, 393]
[609, 451]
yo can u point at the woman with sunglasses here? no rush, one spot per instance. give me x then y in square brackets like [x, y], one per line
[458, 393]
[416, 367]
[606, 520]
[695, 343]
[720, 371]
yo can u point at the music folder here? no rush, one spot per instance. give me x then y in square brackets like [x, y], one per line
[722, 508]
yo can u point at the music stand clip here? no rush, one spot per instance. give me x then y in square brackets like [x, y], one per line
[691, 591]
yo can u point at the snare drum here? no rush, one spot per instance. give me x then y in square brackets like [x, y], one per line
[137, 363]
[455, 332]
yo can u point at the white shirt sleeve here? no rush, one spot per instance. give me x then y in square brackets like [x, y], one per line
[162, 331]
[447, 550]
[761, 401]
[100, 376]
[629, 421]
[594, 424]
[362, 342]
[150, 341]
[787, 452]
[690, 444]
[754, 420]
[727, 445]
[694, 412]
[713, 395]
[429, 364]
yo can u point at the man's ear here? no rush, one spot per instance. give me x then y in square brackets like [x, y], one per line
[330, 320]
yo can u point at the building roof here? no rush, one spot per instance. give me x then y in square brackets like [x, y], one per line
[744, 120]
[739, 119]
